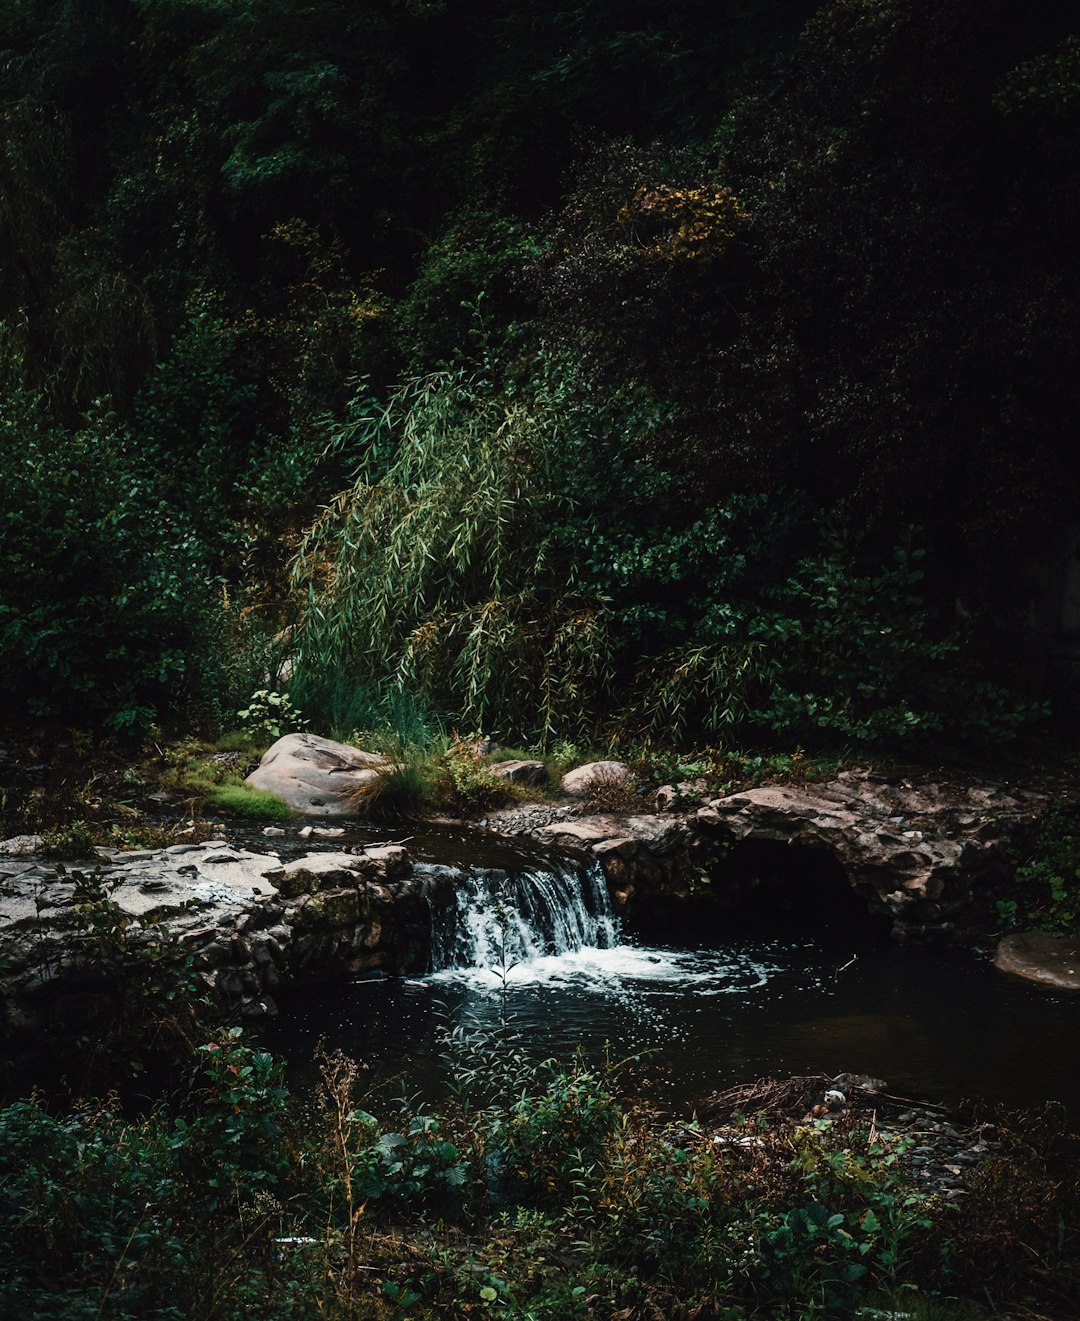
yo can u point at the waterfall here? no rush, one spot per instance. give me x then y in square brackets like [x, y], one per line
[494, 918]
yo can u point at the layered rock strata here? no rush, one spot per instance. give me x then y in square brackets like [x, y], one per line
[250, 922]
[928, 858]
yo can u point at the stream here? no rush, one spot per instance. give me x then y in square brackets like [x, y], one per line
[525, 944]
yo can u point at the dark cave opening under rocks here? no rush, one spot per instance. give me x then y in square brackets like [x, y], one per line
[764, 886]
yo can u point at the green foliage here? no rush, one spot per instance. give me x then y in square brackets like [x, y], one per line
[69, 842]
[855, 653]
[703, 302]
[440, 775]
[1045, 890]
[231, 1201]
[1049, 82]
[247, 801]
[450, 302]
[402, 789]
[416, 1167]
[543, 1142]
[162, 1216]
[207, 775]
[194, 416]
[465, 567]
[103, 1194]
[98, 584]
[463, 781]
[862, 1220]
[437, 571]
[234, 1129]
[269, 714]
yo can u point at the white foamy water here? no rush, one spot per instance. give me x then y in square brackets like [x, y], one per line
[620, 971]
[553, 926]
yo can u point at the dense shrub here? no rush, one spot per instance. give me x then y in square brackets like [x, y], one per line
[561, 1201]
[105, 596]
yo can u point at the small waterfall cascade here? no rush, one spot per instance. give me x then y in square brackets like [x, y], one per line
[498, 919]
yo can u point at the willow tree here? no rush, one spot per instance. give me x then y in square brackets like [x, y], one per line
[445, 571]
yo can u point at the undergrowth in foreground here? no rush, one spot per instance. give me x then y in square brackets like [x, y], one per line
[536, 1192]
[1044, 894]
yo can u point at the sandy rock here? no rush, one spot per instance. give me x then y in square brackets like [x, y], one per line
[1039, 957]
[316, 776]
[249, 922]
[318, 871]
[928, 856]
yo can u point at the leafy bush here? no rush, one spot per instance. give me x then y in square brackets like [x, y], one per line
[234, 1128]
[542, 1142]
[1045, 891]
[270, 715]
[107, 602]
[163, 1216]
[463, 781]
[853, 651]
[516, 558]
[68, 842]
[104, 1196]
[415, 1167]
[553, 1199]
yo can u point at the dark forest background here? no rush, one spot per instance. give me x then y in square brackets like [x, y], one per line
[696, 372]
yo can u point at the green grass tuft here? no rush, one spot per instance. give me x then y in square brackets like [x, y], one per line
[245, 800]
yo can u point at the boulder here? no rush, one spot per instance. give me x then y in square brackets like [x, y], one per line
[582, 780]
[520, 772]
[1039, 957]
[316, 776]
[249, 922]
[928, 858]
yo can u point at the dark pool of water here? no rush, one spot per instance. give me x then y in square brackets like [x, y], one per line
[742, 1004]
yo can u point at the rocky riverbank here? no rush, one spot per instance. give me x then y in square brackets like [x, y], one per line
[926, 859]
[250, 922]
[937, 1149]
